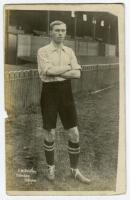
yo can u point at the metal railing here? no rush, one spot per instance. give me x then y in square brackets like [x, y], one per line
[23, 87]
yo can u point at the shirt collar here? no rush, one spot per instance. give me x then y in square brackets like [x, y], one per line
[54, 48]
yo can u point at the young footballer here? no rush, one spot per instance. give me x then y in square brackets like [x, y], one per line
[57, 65]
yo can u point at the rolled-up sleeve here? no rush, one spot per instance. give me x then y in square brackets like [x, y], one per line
[74, 62]
[43, 62]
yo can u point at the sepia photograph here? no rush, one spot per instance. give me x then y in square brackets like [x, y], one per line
[64, 99]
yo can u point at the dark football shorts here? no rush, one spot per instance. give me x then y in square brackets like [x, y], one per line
[57, 98]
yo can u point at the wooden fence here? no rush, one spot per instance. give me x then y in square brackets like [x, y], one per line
[23, 88]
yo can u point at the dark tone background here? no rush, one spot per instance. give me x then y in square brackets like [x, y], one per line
[30, 20]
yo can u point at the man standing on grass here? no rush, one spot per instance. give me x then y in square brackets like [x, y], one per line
[57, 65]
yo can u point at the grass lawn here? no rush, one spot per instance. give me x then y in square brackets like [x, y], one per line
[98, 125]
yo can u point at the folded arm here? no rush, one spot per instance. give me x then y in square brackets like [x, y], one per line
[74, 73]
[56, 71]
[45, 67]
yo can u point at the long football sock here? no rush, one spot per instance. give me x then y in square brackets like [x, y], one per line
[74, 151]
[49, 152]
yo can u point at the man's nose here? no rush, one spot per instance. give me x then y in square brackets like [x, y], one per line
[60, 32]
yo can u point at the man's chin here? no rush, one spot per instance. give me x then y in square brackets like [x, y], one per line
[60, 41]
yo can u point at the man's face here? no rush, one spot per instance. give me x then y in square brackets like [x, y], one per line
[58, 33]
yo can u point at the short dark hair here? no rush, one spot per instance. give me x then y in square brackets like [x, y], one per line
[57, 22]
